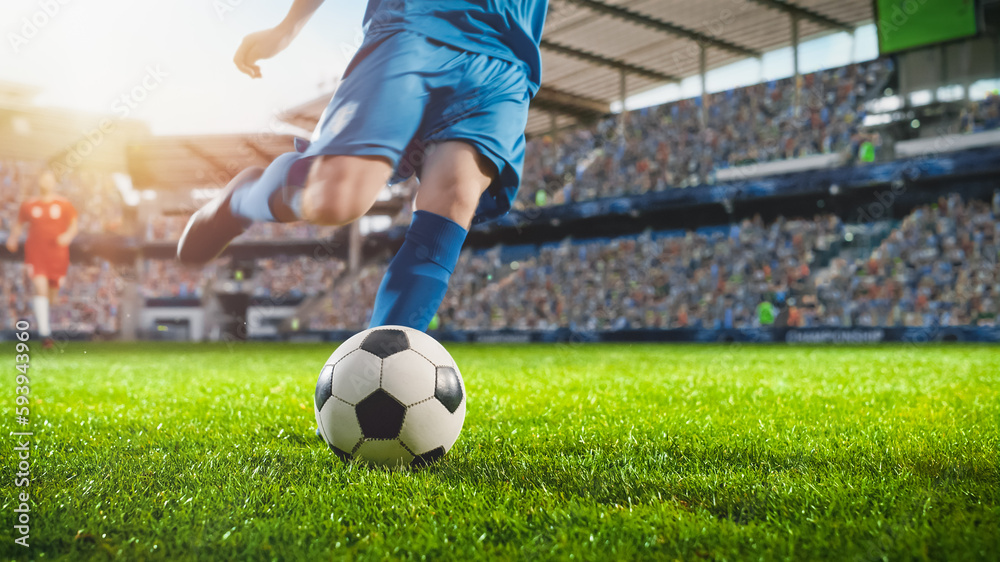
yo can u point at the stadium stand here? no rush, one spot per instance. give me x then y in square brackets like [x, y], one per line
[88, 304]
[98, 202]
[939, 266]
[168, 228]
[284, 277]
[980, 116]
[667, 146]
[931, 265]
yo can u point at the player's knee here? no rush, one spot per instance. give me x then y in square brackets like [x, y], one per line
[454, 198]
[337, 194]
[321, 207]
[466, 199]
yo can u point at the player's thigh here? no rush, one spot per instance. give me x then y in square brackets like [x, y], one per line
[454, 177]
[341, 189]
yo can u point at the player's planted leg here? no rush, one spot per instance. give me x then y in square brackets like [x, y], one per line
[415, 283]
[417, 278]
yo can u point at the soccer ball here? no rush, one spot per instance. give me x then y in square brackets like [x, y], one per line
[390, 396]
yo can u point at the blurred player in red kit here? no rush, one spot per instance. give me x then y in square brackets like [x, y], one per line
[52, 224]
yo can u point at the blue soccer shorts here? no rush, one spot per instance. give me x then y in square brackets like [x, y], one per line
[403, 92]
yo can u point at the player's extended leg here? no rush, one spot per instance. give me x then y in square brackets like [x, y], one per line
[455, 175]
[330, 190]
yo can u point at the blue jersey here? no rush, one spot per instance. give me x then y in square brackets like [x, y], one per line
[506, 29]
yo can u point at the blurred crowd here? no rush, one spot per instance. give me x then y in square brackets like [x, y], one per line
[940, 267]
[281, 277]
[349, 304]
[711, 279]
[668, 146]
[980, 116]
[98, 202]
[168, 228]
[88, 303]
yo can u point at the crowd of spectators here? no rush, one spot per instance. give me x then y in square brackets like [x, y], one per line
[88, 302]
[168, 279]
[983, 115]
[711, 279]
[294, 277]
[284, 277]
[669, 146]
[940, 267]
[168, 228]
[348, 306]
[98, 202]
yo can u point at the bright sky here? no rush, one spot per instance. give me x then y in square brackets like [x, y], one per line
[89, 53]
[92, 52]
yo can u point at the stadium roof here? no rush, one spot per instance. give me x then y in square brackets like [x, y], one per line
[589, 44]
[587, 47]
[200, 160]
[66, 138]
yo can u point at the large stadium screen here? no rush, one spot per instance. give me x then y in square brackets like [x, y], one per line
[909, 24]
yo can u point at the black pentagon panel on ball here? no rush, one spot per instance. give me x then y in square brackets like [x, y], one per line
[448, 388]
[342, 455]
[380, 415]
[324, 386]
[429, 457]
[383, 343]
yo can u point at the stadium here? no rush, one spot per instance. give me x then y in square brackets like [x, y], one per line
[743, 305]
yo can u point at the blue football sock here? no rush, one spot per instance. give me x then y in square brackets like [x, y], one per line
[274, 196]
[417, 278]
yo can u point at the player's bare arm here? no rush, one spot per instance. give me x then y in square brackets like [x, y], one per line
[66, 238]
[14, 236]
[267, 43]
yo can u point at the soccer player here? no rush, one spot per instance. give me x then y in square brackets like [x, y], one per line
[52, 225]
[438, 88]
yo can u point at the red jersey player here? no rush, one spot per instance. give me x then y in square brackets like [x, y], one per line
[52, 225]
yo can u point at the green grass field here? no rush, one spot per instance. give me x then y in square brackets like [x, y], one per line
[594, 452]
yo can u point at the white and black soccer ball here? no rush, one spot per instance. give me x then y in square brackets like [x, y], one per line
[390, 396]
